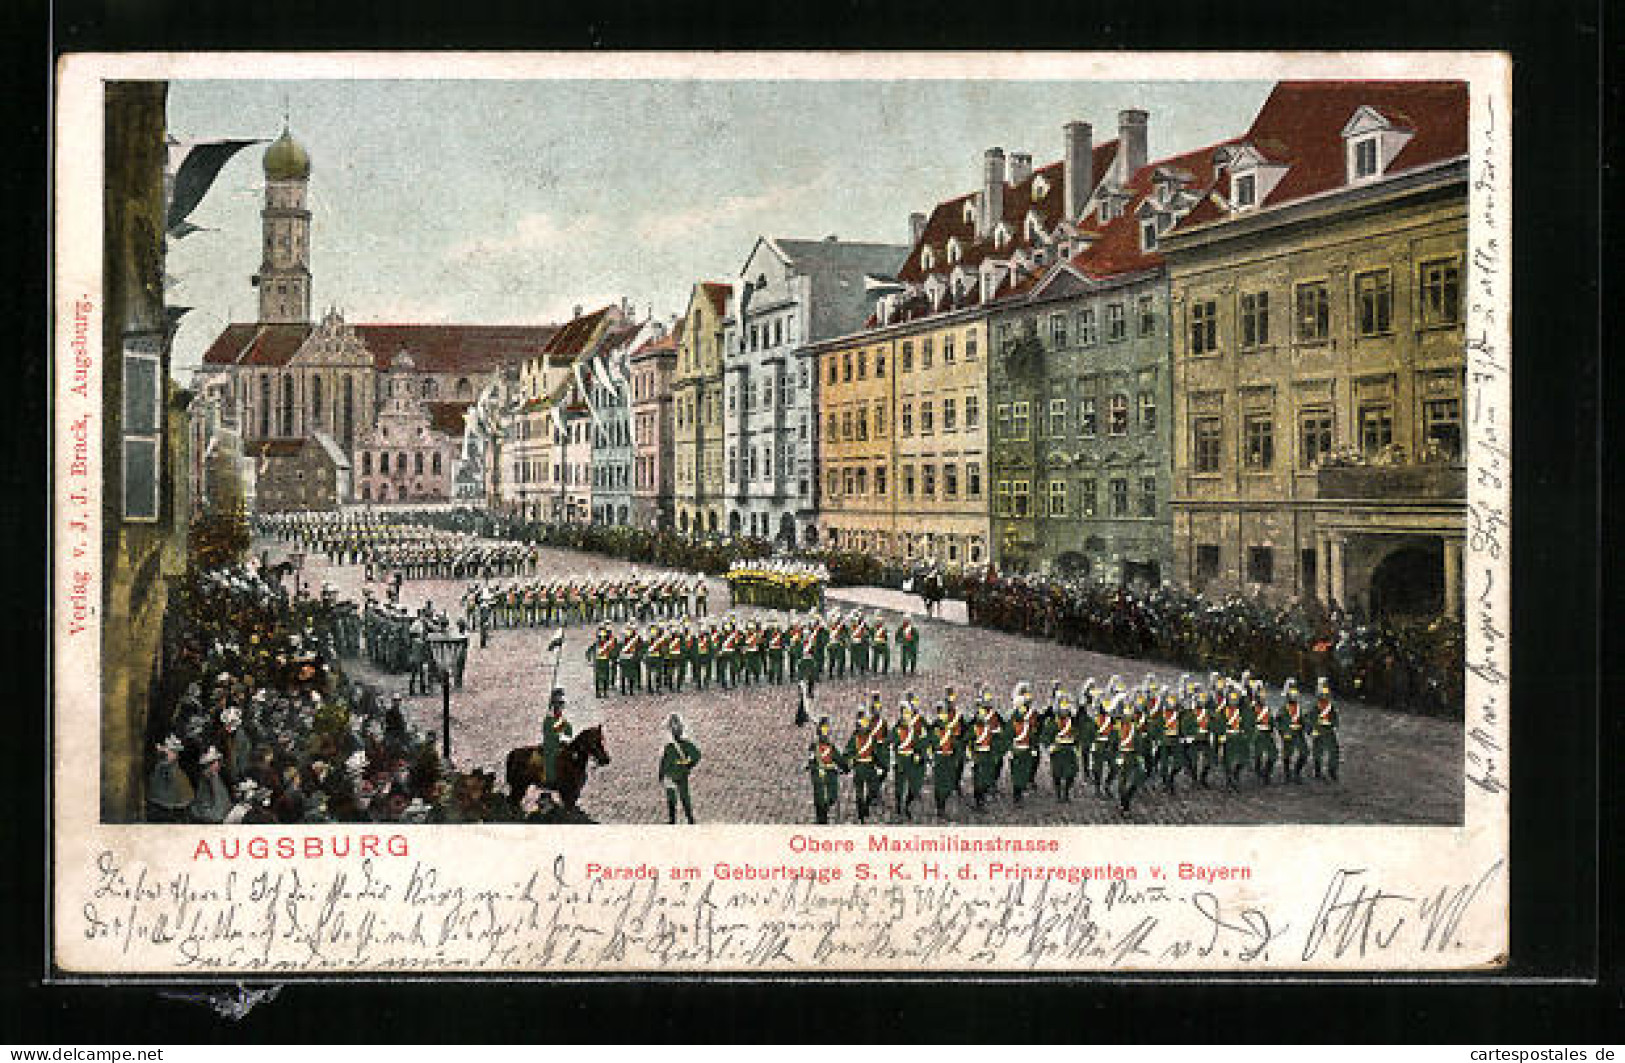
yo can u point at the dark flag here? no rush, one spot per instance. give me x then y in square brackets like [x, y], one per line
[200, 163]
[556, 641]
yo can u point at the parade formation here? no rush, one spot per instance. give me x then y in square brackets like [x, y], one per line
[1116, 739]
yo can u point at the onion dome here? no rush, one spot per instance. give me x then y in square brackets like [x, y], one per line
[286, 160]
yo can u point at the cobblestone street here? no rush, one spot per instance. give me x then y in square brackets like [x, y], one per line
[1397, 769]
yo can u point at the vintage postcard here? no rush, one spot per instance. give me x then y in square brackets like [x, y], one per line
[538, 515]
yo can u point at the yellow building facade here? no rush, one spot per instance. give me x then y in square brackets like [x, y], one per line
[697, 425]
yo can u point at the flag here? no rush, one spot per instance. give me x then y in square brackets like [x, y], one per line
[195, 166]
[876, 285]
[586, 394]
[557, 640]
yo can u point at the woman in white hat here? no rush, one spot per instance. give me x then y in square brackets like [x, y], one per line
[169, 791]
[213, 801]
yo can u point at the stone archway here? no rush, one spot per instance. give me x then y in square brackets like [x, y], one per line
[809, 535]
[682, 522]
[787, 531]
[1409, 581]
[711, 522]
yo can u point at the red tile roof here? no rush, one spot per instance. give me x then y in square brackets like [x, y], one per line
[948, 222]
[575, 336]
[718, 292]
[434, 348]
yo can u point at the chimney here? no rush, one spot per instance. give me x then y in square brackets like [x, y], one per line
[1080, 167]
[991, 209]
[576, 312]
[1131, 146]
[916, 227]
[1021, 166]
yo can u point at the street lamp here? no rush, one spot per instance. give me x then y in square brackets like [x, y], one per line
[448, 651]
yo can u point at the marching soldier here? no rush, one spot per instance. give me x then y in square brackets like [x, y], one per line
[677, 762]
[1102, 763]
[1060, 737]
[825, 766]
[1129, 742]
[1264, 752]
[910, 742]
[775, 654]
[1323, 734]
[947, 756]
[603, 652]
[1199, 728]
[1235, 742]
[630, 658]
[860, 645]
[1022, 742]
[679, 655]
[1293, 725]
[840, 641]
[987, 750]
[866, 753]
[1168, 726]
[908, 647]
[880, 646]
[705, 655]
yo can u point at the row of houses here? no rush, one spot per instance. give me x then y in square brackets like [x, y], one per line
[1239, 367]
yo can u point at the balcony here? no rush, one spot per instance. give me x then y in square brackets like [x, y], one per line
[1437, 480]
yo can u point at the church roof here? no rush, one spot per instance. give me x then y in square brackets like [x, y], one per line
[447, 417]
[432, 348]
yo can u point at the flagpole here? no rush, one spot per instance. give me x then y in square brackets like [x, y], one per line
[558, 654]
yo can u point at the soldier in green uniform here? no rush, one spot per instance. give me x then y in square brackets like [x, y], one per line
[908, 647]
[987, 751]
[807, 666]
[654, 657]
[556, 730]
[947, 756]
[774, 653]
[677, 761]
[1060, 739]
[910, 743]
[1323, 732]
[1263, 745]
[880, 646]
[866, 753]
[630, 658]
[1293, 724]
[1168, 729]
[680, 656]
[860, 646]
[825, 766]
[820, 643]
[1021, 738]
[702, 593]
[1235, 739]
[728, 644]
[1199, 727]
[840, 640]
[705, 655]
[1102, 762]
[603, 653]
[752, 654]
[1128, 743]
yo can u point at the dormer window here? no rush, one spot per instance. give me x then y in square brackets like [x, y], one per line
[969, 213]
[928, 261]
[1035, 230]
[1040, 187]
[1246, 191]
[1372, 141]
[1365, 158]
[955, 252]
[1001, 236]
[1148, 235]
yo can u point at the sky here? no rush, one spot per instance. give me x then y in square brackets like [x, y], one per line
[503, 202]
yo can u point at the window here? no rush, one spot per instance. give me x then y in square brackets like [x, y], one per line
[1148, 496]
[928, 481]
[1088, 416]
[1314, 312]
[1002, 421]
[970, 346]
[846, 425]
[973, 411]
[863, 481]
[1374, 297]
[436, 463]
[1441, 292]
[1315, 435]
[1365, 161]
[1057, 330]
[417, 463]
[1441, 425]
[908, 418]
[1148, 412]
[1019, 415]
[1057, 498]
[908, 356]
[733, 400]
[948, 349]
[1001, 499]
[1088, 331]
[880, 479]
[1246, 190]
[1376, 427]
[1207, 561]
[834, 483]
[1088, 497]
[1255, 319]
[925, 354]
[863, 365]
[847, 480]
[1147, 315]
[832, 369]
[366, 463]
[1148, 235]
[733, 463]
[880, 364]
[950, 480]
[1019, 499]
[927, 419]
[1206, 433]
[950, 415]
[908, 481]
[383, 461]
[846, 366]
[1119, 496]
[1057, 417]
[1261, 564]
[1117, 415]
[830, 433]
[863, 424]
[1116, 324]
[1204, 326]
[1258, 443]
[973, 479]
[142, 426]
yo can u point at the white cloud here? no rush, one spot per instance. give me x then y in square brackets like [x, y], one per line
[767, 209]
[533, 233]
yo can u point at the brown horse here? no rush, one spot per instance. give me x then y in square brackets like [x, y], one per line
[525, 768]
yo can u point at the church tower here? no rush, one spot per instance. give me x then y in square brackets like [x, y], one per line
[283, 279]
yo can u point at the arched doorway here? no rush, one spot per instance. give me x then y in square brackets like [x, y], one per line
[809, 535]
[787, 531]
[1072, 565]
[682, 522]
[711, 522]
[735, 523]
[1409, 582]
